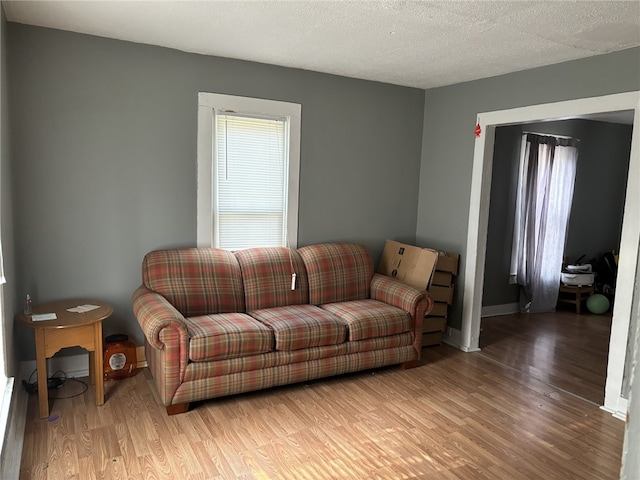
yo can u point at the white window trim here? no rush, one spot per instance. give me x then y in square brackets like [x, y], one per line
[208, 104]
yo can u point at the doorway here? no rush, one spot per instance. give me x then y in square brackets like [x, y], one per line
[567, 350]
[478, 219]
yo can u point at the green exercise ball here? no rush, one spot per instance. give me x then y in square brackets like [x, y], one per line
[598, 303]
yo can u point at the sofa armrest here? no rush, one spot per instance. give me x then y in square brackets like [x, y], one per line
[417, 303]
[167, 336]
[154, 314]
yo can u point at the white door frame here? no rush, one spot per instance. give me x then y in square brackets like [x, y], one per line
[630, 239]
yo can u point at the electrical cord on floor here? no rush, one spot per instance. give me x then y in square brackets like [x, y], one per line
[56, 380]
[85, 387]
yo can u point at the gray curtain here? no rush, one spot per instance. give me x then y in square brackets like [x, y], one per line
[545, 192]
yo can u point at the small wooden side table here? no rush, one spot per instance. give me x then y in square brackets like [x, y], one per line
[575, 294]
[69, 329]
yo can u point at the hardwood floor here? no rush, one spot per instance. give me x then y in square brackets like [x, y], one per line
[456, 416]
[563, 349]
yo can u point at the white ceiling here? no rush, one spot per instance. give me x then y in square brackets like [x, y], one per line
[420, 44]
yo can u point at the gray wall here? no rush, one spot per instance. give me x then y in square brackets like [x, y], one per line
[448, 139]
[595, 224]
[504, 179]
[6, 210]
[104, 143]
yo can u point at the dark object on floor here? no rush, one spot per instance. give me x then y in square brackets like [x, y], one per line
[53, 382]
[607, 269]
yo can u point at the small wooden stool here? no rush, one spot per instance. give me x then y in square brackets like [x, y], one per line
[575, 294]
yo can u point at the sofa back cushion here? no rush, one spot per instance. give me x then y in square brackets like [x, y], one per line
[338, 272]
[197, 281]
[266, 274]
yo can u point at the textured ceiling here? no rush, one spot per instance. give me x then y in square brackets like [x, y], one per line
[413, 43]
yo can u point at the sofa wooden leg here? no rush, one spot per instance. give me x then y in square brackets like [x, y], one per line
[411, 364]
[177, 408]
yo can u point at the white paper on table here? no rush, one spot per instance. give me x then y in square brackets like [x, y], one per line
[83, 308]
[43, 317]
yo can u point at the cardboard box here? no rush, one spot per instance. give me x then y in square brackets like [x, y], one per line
[440, 309]
[434, 324]
[448, 262]
[442, 294]
[429, 339]
[409, 264]
[442, 278]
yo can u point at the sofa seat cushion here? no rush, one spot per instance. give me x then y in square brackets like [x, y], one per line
[227, 335]
[301, 326]
[370, 318]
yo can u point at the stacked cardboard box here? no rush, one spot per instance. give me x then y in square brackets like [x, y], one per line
[424, 268]
[409, 264]
[441, 290]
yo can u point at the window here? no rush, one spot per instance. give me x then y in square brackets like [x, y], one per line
[248, 169]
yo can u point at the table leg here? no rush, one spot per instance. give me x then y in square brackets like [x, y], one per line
[92, 368]
[579, 301]
[98, 364]
[41, 365]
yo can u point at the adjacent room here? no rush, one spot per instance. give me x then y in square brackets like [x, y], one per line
[196, 205]
[574, 340]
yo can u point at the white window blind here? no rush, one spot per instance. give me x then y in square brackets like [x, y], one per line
[248, 172]
[251, 158]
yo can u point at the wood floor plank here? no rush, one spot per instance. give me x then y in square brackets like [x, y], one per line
[87, 469]
[563, 349]
[217, 456]
[456, 416]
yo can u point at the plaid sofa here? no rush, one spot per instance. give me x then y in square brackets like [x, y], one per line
[218, 323]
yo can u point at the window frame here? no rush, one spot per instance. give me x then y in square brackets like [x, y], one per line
[208, 104]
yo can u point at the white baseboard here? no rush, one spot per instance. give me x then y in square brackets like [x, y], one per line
[74, 366]
[495, 310]
[17, 418]
[6, 402]
[452, 337]
[621, 411]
